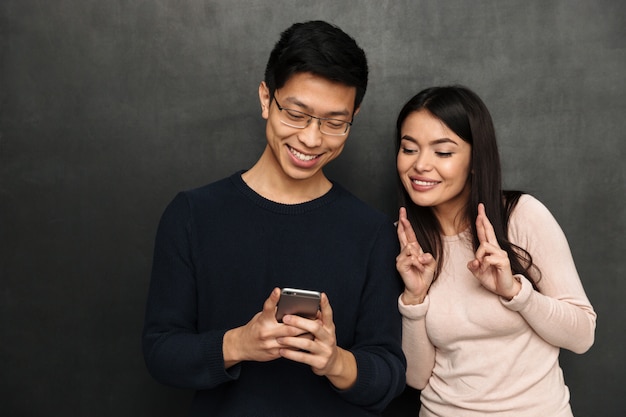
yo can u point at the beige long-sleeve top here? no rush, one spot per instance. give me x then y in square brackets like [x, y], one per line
[472, 353]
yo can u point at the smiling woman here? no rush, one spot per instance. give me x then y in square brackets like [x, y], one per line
[490, 284]
[434, 165]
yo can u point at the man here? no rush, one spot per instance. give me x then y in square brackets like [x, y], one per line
[222, 249]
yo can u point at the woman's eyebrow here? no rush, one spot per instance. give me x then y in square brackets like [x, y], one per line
[443, 140]
[409, 138]
[432, 142]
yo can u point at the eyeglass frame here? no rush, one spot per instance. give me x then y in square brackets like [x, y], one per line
[311, 117]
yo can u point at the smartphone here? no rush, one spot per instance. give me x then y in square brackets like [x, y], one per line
[304, 303]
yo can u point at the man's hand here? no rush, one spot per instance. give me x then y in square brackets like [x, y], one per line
[257, 340]
[320, 351]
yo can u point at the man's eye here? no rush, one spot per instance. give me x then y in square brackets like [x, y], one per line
[334, 124]
[295, 116]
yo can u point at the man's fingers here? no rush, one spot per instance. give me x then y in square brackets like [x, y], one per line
[269, 306]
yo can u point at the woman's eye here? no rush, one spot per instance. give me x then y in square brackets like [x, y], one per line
[444, 154]
[409, 151]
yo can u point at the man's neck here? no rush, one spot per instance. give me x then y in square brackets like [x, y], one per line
[268, 179]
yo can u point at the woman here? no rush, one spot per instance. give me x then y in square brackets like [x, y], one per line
[491, 289]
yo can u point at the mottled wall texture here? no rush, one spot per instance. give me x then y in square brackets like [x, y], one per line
[108, 108]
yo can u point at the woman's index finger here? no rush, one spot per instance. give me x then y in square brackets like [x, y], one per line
[488, 232]
[407, 229]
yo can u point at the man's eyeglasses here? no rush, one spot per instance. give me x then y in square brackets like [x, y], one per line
[300, 120]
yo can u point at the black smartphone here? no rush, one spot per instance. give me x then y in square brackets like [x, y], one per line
[304, 303]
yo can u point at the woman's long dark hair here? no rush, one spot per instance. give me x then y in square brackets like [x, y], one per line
[466, 115]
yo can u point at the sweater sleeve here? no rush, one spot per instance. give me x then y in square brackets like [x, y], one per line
[380, 361]
[560, 312]
[174, 351]
[419, 351]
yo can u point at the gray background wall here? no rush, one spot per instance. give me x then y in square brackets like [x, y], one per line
[108, 108]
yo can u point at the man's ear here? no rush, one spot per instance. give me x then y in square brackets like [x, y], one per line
[264, 98]
[356, 111]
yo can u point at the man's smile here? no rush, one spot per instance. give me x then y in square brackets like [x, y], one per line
[301, 156]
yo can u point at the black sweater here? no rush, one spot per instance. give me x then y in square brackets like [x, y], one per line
[219, 252]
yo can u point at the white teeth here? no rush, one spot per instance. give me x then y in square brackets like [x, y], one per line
[302, 156]
[424, 183]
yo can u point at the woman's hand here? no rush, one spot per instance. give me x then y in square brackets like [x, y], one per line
[491, 265]
[416, 268]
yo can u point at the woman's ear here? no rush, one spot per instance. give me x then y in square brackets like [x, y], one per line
[264, 98]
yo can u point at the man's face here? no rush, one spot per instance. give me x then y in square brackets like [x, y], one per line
[302, 153]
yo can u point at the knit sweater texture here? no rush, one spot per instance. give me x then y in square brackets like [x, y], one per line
[219, 252]
[474, 353]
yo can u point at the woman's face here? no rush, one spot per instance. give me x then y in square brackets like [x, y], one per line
[434, 164]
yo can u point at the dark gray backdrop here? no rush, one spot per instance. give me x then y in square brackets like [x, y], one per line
[108, 108]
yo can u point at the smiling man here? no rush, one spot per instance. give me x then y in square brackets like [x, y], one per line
[223, 252]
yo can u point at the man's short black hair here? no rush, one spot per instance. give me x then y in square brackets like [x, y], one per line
[321, 49]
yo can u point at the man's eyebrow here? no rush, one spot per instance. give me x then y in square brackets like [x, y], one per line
[308, 109]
